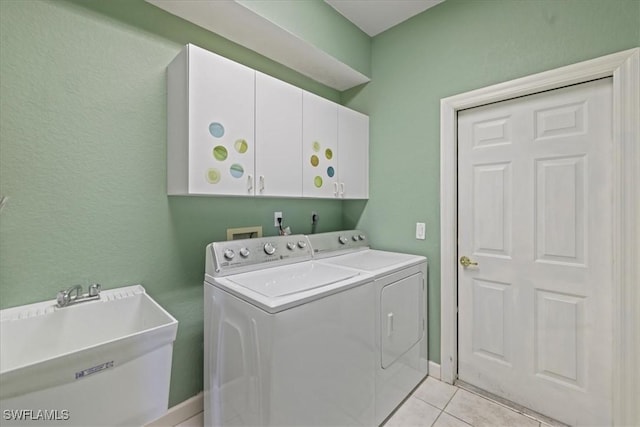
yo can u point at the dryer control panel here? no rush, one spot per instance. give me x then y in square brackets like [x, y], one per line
[237, 256]
[338, 242]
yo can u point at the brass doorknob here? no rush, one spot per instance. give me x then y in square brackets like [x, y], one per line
[466, 262]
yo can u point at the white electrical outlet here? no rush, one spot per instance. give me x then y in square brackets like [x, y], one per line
[276, 215]
[421, 231]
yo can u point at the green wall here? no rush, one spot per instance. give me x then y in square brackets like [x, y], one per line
[457, 46]
[83, 163]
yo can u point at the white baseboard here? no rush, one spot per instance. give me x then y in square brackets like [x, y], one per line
[434, 369]
[181, 412]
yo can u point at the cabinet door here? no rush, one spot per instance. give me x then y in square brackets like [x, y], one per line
[221, 125]
[353, 154]
[319, 147]
[278, 138]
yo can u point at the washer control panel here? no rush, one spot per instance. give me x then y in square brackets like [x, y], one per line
[235, 256]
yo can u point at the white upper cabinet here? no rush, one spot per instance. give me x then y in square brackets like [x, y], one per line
[335, 149]
[353, 154]
[235, 131]
[278, 138]
[319, 147]
[210, 125]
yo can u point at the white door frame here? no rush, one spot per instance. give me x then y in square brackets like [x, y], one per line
[624, 67]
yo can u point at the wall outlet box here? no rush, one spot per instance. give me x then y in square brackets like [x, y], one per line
[244, 232]
[421, 231]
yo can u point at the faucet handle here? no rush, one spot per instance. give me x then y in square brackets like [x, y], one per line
[62, 298]
[94, 289]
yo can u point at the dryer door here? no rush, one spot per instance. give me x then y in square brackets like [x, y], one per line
[401, 317]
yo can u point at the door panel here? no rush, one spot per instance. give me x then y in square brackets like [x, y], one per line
[319, 147]
[278, 138]
[492, 208]
[491, 320]
[559, 338]
[560, 210]
[221, 125]
[401, 317]
[534, 200]
[353, 156]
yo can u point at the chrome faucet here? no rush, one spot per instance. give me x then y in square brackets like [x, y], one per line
[74, 295]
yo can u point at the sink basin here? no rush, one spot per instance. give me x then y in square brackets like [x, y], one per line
[86, 357]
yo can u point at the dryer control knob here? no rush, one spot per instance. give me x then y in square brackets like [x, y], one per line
[343, 240]
[244, 252]
[229, 254]
[354, 238]
[269, 249]
[302, 244]
[361, 236]
[291, 246]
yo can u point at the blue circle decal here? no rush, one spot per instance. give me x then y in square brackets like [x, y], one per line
[331, 171]
[216, 130]
[236, 170]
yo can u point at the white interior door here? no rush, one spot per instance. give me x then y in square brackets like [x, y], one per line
[535, 213]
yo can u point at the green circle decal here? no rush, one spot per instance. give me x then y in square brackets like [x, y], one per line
[220, 153]
[328, 153]
[216, 130]
[316, 146]
[317, 181]
[314, 160]
[241, 146]
[213, 176]
[236, 170]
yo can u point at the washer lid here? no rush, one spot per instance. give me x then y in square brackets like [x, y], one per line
[292, 279]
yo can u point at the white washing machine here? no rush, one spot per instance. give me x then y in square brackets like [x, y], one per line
[400, 282]
[288, 340]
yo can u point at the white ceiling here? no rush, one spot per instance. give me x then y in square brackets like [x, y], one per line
[376, 16]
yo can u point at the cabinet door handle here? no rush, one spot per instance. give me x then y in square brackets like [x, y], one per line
[249, 183]
[342, 189]
[335, 189]
[261, 183]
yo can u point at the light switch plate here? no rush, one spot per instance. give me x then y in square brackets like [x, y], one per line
[421, 231]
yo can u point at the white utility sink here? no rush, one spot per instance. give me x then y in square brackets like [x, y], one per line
[104, 362]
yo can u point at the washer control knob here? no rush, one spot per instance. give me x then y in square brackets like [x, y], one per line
[229, 254]
[361, 237]
[354, 238]
[343, 240]
[244, 252]
[302, 244]
[291, 246]
[269, 249]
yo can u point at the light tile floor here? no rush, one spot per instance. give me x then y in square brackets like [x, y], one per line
[439, 404]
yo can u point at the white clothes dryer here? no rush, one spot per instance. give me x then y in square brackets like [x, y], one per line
[400, 282]
[287, 340]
